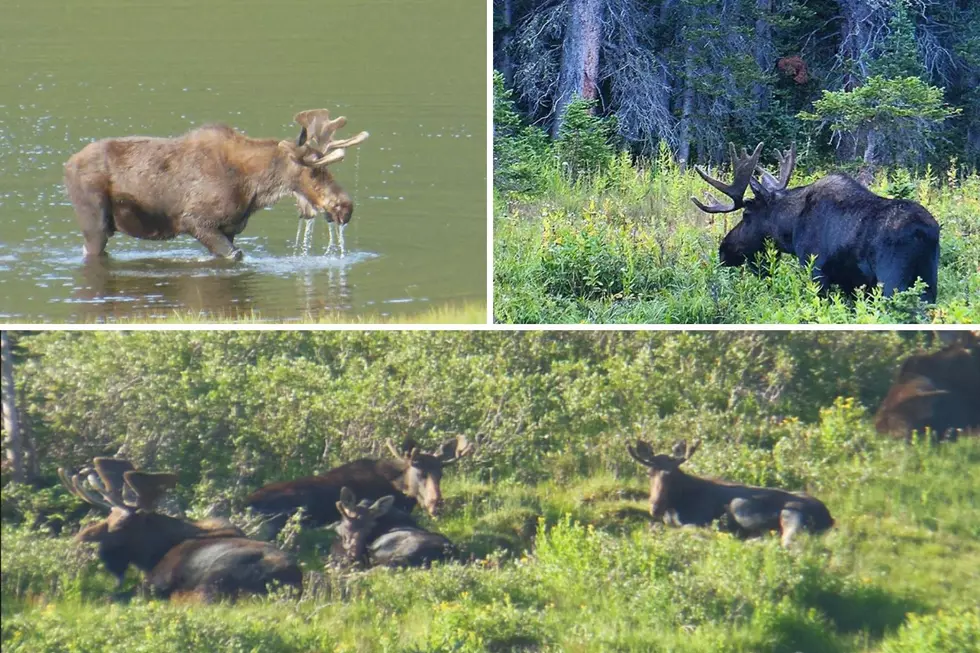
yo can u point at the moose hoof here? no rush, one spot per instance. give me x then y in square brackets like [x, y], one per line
[235, 255]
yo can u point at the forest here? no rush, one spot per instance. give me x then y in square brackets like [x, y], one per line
[886, 82]
[549, 513]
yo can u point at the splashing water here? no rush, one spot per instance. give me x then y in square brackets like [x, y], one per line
[303, 248]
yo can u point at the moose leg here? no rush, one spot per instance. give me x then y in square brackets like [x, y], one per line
[790, 523]
[218, 244]
[751, 517]
[92, 211]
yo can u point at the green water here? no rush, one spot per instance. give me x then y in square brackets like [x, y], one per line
[411, 72]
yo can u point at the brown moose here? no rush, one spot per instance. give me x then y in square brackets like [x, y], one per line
[206, 183]
[412, 477]
[938, 391]
[208, 558]
[680, 499]
[376, 534]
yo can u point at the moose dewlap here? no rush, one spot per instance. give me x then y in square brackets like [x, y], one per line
[205, 183]
[856, 237]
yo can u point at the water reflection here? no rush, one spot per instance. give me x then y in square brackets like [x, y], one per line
[107, 287]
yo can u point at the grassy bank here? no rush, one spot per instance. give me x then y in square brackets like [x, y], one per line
[471, 312]
[572, 564]
[628, 246]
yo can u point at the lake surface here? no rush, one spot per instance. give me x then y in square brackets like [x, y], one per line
[411, 72]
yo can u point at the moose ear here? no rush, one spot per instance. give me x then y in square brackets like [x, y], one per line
[382, 506]
[691, 449]
[409, 445]
[347, 498]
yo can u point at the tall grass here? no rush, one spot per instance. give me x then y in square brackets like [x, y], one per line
[573, 564]
[626, 245]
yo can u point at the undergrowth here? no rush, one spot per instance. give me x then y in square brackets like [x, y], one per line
[572, 563]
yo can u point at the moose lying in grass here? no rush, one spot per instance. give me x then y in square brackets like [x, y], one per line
[412, 477]
[680, 499]
[377, 535]
[937, 391]
[206, 183]
[857, 238]
[210, 558]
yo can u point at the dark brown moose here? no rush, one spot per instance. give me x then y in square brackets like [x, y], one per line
[210, 558]
[413, 476]
[938, 391]
[205, 183]
[378, 535]
[856, 237]
[680, 499]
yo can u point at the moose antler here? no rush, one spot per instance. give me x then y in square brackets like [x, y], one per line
[451, 451]
[642, 453]
[149, 487]
[743, 167]
[316, 137]
[787, 162]
[101, 496]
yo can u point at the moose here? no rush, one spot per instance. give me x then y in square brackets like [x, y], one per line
[680, 499]
[375, 534]
[855, 237]
[210, 558]
[206, 183]
[412, 477]
[937, 391]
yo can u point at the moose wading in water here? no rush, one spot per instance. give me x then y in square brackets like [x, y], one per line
[856, 237]
[680, 499]
[211, 558]
[206, 183]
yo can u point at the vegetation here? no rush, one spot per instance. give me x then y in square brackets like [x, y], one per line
[550, 513]
[693, 75]
[604, 238]
[472, 312]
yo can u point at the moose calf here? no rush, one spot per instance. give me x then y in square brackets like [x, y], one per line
[206, 183]
[375, 535]
[680, 499]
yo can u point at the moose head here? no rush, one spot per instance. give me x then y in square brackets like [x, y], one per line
[748, 237]
[315, 149]
[422, 472]
[663, 469]
[357, 522]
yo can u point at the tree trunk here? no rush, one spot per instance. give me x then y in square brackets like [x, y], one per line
[763, 50]
[580, 56]
[506, 63]
[11, 421]
[687, 107]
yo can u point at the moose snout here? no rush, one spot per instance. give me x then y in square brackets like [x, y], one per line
[729, 255]
[339, 209]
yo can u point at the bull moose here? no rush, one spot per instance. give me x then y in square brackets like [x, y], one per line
[680, 499]
[413, 476]
[209, 558]
[937, 391]
[376, 535]
[856, 237]
[206, 183]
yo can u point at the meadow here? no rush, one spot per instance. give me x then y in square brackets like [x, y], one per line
[629, 246]
[550, 514]
[585, 232]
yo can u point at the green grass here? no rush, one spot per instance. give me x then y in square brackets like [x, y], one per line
[573, 564]
[470, 312]
[629, 246]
